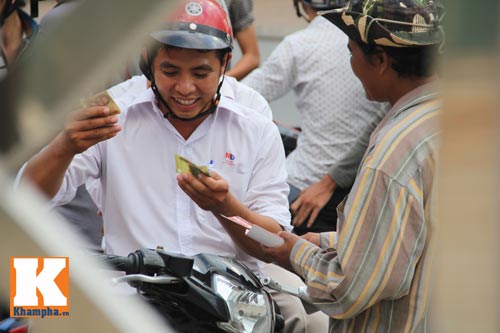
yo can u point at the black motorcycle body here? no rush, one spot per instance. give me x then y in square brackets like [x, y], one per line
[201, 293]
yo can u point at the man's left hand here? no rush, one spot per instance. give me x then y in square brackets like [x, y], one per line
[209, 193]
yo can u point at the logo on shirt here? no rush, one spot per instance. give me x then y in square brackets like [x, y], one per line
[39, 287]
[229, 158]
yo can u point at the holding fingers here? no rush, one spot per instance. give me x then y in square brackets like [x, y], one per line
[209, 193]
[87, 127]
[83, 129]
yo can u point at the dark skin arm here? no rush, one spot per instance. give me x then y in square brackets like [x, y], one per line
[250, 59]
[311, 200]
[12, 36]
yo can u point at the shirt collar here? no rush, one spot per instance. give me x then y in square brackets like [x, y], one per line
[419, 95]
[227, 87]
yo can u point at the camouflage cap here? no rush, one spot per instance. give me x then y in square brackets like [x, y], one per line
[396, 23]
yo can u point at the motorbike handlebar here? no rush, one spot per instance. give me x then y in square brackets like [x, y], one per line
[127, 264]
[150, 262]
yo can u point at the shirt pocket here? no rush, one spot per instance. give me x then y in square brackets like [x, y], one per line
[237, 175]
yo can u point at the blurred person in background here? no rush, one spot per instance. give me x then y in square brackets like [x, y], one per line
[18, 28]
[331, 102]
[242, 22]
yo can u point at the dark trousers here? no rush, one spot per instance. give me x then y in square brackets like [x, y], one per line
[327, 217]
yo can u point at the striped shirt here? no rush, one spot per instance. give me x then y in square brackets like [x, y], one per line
[376, 278]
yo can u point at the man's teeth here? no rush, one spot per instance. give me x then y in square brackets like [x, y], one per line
[185, 101]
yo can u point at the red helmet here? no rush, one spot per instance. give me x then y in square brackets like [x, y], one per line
[197, 24]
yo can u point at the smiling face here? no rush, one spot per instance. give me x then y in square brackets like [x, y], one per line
[187, 79]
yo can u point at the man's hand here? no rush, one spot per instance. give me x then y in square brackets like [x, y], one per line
[87, 127]
[311, 200]
[209, 193]
[281, 255]
[83, 129]
[312, 237]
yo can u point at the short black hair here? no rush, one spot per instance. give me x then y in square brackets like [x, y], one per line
[416, 61]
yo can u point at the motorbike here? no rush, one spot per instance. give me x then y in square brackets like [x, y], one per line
[200, 293]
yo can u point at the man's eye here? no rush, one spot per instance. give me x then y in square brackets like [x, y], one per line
[170, 74]
[201, 75]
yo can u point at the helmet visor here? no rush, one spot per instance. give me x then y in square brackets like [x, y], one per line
[193, 36]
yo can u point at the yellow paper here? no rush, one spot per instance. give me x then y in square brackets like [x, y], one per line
[102, 99]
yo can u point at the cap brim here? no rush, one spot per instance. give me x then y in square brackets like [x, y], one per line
[344, 20]
[355, 25]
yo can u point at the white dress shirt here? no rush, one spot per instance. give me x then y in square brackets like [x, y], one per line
[331, 101]
[141, 202]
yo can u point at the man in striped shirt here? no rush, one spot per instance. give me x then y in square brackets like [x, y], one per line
[373, 275]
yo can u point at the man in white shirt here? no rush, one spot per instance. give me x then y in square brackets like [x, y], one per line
[137, 168]
[144, 203]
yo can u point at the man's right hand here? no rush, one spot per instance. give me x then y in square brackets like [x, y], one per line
[87, 127]
[311, 200]
[83, 129]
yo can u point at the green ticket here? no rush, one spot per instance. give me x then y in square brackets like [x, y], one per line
[182, 164]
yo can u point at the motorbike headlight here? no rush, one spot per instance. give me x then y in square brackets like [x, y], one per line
[251, 311]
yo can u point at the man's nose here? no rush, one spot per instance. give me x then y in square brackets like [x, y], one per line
[185, 85]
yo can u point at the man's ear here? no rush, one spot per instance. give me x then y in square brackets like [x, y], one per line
[383, 61]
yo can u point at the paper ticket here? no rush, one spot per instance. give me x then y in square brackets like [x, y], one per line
[257, 233]
[102, 99]
[182, 164]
